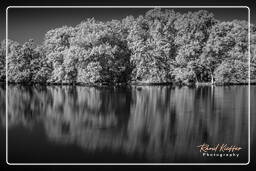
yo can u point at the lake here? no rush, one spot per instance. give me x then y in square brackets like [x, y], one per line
[143, 124]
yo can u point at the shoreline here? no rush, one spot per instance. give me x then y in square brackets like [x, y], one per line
[199, 84]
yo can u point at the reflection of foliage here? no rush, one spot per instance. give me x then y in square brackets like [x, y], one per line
[2, 104]
[159, 123]
[32, 103]
[37, 102]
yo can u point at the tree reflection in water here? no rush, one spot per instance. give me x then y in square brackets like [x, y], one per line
[159, 123]
[2, 104]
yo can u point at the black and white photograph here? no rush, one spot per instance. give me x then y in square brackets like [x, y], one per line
[155, 85]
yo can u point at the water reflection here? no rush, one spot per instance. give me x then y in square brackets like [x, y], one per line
[2, 122]
[253, 123]
[155, 124]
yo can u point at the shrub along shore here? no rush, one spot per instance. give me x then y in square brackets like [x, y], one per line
[161, 47]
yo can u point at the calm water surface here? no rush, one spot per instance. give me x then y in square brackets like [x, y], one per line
[138, 124]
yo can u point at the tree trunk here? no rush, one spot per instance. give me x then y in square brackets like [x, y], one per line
[212, 82]
[196, 80]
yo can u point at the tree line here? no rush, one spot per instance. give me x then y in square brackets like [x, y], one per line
[162, 46]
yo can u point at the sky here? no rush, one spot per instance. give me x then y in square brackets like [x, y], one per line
[27, 23]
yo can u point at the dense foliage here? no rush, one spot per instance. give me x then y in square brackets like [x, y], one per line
[2, 61]
[160, 47]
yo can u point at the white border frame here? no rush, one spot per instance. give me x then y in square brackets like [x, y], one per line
[199, 7]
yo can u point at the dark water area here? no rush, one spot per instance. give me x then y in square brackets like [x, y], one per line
[2, 122]
[253, 124]
[147, 124]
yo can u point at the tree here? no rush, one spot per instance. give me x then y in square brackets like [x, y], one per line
[161, 46]
[228, 42]
[184, 76]
[102, 52]
[40, 66]
[253, 53]
[151, 40]
[231, 72]
[194, 30]
[15, 62]
[2, 61]
[27, 63]
[57, 43]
